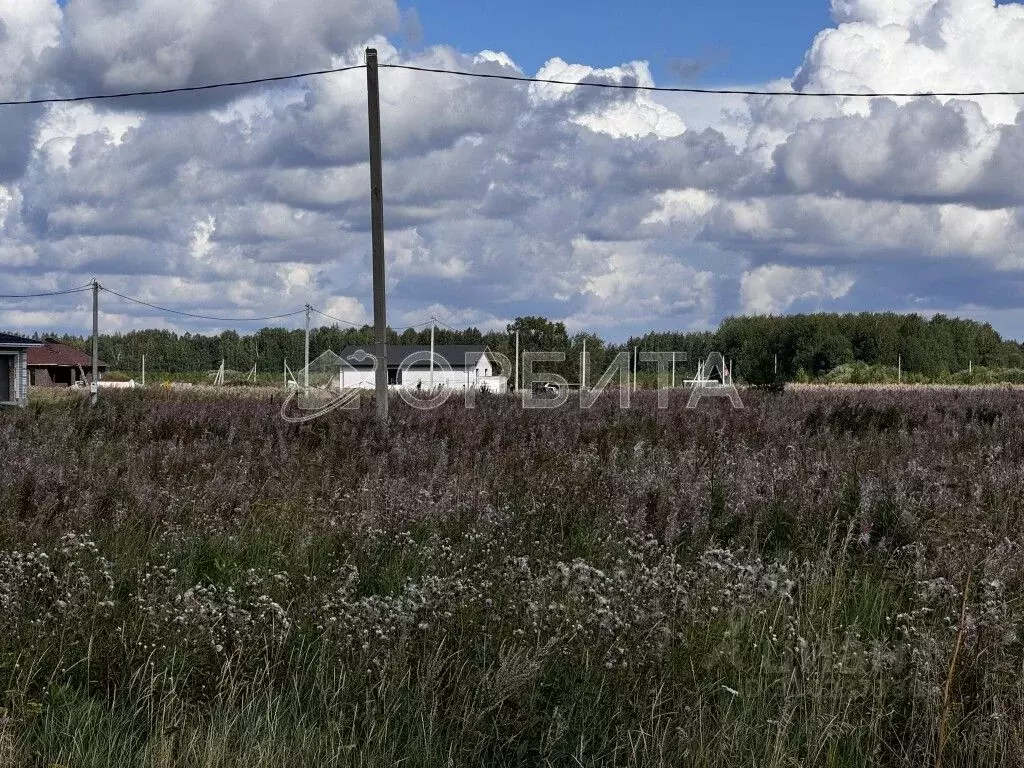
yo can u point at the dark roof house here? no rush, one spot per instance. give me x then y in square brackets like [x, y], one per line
[53, 364]
[456, 355]
[14, 369]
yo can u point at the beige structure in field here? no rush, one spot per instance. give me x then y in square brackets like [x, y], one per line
[14, 368]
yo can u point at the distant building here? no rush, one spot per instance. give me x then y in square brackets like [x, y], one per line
[456, 366]
[53, 364]
[14, 369]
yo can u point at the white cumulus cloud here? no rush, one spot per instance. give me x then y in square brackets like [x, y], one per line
[774, 288]
[611, 209]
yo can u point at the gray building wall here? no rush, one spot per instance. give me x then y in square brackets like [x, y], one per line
[22, 375]
[18, 373]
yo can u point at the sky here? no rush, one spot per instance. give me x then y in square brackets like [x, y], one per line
[617, 212]
[707, 42]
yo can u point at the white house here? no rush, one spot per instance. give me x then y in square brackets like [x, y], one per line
[456, 366]
[14, 368]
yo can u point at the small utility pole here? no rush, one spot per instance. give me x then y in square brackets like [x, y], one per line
[95, 340]
[776, 365]
[899, 369]
[636, 358]
[377, 230]
[433, 323]
[143, 370]
[305, 370]
[673, 370]
[516, 389]
[583, 368]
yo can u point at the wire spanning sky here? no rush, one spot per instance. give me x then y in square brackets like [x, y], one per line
[614, 210]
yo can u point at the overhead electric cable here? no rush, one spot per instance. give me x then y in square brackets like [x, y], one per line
[46, 293]
[202, 317]
[682, 89]
[513, 78]
[420, 325]
[428, 322]
[179, 89]
[441, 322]
[336, 319]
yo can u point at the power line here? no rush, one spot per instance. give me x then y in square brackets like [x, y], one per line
[47, 293]
[201, 317]
[419, 325]
[180, 89]
[336, 319]
[436, 322]
[496, 76]
[710, 91]
[134, 300]
[441, 322]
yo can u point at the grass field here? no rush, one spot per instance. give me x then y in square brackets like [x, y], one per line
[826, 578]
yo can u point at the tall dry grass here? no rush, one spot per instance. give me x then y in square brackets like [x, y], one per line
[820, 580]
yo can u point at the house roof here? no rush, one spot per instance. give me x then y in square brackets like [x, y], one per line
[53, 353]
[10, 340]
[456, 355]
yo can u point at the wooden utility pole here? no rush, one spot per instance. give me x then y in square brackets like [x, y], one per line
[433, 323]
[95, 341]
[516, 389]
[143, 370]
[305, 370]
[377, 230]
[583, 367]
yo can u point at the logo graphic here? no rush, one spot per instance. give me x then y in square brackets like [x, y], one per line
[714, 379]
[329, 383]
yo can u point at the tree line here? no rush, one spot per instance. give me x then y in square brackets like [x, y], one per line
[763, 348]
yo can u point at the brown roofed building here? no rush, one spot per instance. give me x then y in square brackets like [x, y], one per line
[57, 365]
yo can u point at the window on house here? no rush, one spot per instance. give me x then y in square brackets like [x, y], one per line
[6, 373]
